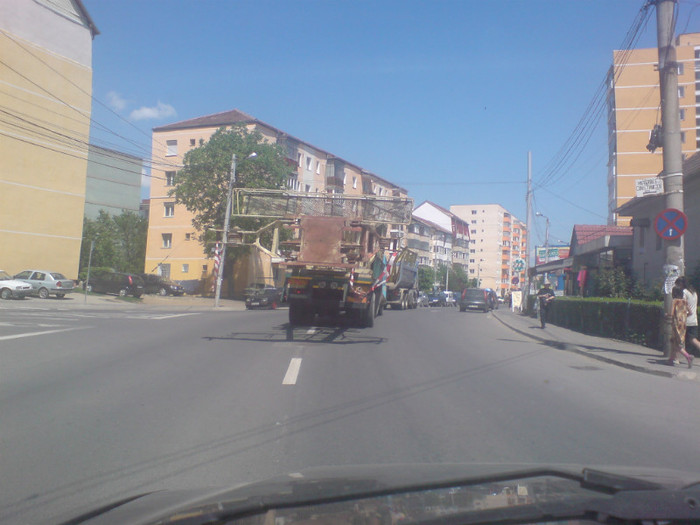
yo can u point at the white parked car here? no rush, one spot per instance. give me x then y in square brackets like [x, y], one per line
[11, 288]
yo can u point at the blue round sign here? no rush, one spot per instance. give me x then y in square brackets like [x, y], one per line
[670, 224]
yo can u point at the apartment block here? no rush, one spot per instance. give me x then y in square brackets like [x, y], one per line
[173, 248]
[633, 101]
[46, 70]
[497, 241]
[450, 238]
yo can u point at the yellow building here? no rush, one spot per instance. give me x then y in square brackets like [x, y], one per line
[633, 111]
[173, 248]
[46, 74]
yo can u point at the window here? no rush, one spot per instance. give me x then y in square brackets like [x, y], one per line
[681, 68]
[164, 270]
[170, 178]
[299, 157]
[193, 142]
[167, 240]
[318, 167]
[169, 209]
[185, 268]
[682, 114]
[172, 148]
[308, 163]
[681, 91]
[308, 188]
[473, 212]
[188, 236]
[205, 268]
[354, 183]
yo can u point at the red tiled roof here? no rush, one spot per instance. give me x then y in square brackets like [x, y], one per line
[584, 233]
[225, 118]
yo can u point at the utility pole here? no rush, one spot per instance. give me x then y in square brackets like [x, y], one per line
[528, 224]
[672, 174]
[227, 219]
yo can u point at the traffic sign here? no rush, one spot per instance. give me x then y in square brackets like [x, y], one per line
[519, 265]
[670, 224]
[515, 280]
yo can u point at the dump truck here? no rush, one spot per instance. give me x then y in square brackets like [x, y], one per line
[336, 252]
[402, 283]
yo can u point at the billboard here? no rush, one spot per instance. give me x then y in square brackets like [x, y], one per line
[555, 253]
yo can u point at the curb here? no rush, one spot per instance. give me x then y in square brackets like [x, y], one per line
[575, 349]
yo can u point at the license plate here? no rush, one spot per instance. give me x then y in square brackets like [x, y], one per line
[255, 303]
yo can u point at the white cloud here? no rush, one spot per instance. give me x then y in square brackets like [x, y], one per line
[160, 111]
[115, 101]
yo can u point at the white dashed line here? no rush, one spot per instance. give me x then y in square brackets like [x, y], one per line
[290, 378]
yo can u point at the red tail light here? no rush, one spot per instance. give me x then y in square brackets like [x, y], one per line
[131, 281]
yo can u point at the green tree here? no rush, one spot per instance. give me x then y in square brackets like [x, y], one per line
[426, 276]
[120, 242]
[202, 184]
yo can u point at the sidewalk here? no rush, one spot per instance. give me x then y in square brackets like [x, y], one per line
[620, 353]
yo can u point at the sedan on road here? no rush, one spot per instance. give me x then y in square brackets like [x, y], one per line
[12, 288]
[45, 283]
[260, 295]
[475, 299]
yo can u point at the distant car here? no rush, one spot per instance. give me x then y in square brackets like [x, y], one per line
[475, 299]
[259, 295]
[436, 299]
[45, 283]
[160, 285]
[422, 299]
[450, 298]
[118, 283]
[11, 288]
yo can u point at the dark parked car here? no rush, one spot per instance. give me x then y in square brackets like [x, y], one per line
[116, 283]
[161, 285]
[259, 295]
[476, 299]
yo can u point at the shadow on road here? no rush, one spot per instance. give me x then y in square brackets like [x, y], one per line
[337, 335]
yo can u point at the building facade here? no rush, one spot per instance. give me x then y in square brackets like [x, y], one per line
[451, 237]
[633, 101]
[497, 241]
[113, 182]
[173, 248]
[46, 48]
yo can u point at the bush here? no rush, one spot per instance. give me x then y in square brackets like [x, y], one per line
[640, 322]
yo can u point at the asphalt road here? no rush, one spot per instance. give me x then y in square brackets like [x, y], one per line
[107, 403]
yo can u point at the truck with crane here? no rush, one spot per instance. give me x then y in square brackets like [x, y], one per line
[337, 252]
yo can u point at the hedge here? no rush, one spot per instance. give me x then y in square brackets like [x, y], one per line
[639, 322]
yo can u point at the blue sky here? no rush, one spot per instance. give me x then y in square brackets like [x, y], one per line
[444, 98]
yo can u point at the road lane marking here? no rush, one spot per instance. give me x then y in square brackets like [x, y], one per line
[32, 334]
[290, 378]
[152, 317]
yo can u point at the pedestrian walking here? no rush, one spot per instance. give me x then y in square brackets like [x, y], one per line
[692, 344]
[679, 314]
[545, 297]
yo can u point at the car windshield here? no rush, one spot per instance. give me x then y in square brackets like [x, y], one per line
[260, 238]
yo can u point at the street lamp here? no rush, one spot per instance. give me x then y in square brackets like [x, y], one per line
[227, 217]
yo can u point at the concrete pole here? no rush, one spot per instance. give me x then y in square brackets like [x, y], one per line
[528, 224]
[227, 218]
[672, 174]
